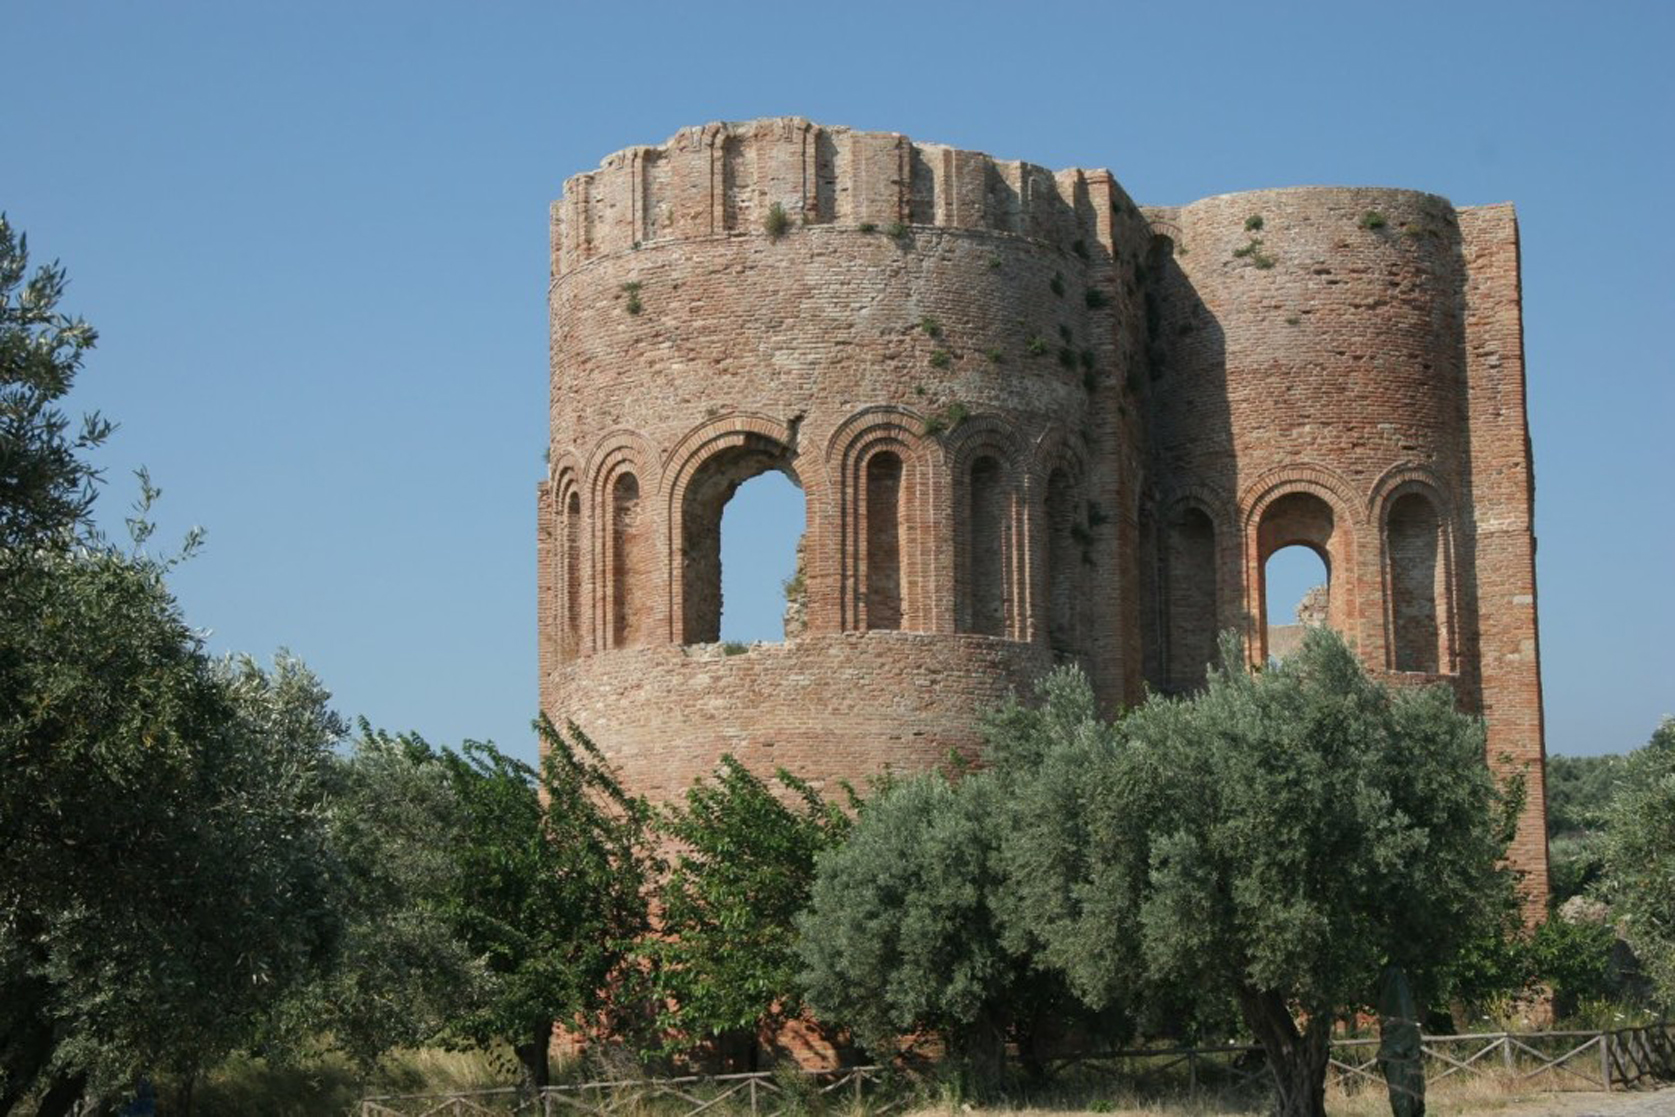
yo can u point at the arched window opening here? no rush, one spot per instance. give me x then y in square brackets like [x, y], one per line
[883, 541]
[1067, 541]
[1414, 547]
[572, 620]
[1296, 589]
[742, 520]
[627, 555]
[1189, 581]
[986, 547]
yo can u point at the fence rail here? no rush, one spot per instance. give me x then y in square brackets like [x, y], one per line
[762, 1093]
[1616, 1059]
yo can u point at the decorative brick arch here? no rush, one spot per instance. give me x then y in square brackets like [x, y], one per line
[621, 475]
[754, 443]
[1063, 536]
[566, 519]
[1417, 571]
[1335, 542]
[990, 483]
[1165, 227]
[888, 487]
[1197, 581]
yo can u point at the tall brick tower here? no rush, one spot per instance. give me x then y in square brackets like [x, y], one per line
[1032, 422]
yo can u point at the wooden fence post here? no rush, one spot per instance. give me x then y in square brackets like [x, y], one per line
[1605, 1060]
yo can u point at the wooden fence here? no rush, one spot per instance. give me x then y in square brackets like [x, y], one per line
[1618, 1059]
[761, 1093]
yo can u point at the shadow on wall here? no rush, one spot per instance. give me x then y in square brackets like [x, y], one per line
[1190, 553]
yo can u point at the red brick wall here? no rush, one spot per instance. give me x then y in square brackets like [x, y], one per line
[1190, 390]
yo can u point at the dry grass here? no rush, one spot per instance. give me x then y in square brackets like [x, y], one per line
[1493, 1095]
[330, 1084]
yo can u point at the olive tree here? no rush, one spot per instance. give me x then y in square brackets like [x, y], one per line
[902, 934]
[1640, 857]
[1281, 837]
[164, 865]
[398, 971]
[46, 485]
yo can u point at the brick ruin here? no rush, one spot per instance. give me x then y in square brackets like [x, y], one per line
[1033, 422]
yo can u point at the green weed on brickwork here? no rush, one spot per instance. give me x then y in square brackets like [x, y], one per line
[1253, 252]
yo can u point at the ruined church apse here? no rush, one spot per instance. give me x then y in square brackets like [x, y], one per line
[1032, 422]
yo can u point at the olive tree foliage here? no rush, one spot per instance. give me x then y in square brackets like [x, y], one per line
[399, 972]
[163, 850]
[1579, 790]
[1281, 838]
[553, 868]
[723, 966]
[46, 487]
[902, 933]
[1640, 858]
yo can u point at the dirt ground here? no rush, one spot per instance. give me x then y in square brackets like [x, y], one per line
[1632, 1103]
[1452, 1103]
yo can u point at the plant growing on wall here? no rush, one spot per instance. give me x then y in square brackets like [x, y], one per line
[1252, 251]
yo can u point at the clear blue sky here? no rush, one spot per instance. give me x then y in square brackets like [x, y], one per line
[313, 237]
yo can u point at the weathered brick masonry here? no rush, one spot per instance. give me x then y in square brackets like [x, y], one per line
[1032, 422]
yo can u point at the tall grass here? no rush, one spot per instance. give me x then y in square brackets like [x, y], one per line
[330, 1084]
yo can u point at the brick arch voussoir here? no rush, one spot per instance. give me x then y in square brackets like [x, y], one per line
[860, 434]
[1401, 480]
[1328, 485]
[725, 432]
[616, 452]
[1163, 227]
[987, 434]
[564, 476]
[1208, 499]
[1055, 449]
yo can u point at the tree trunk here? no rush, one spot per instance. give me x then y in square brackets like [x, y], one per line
[1027, 1032]
[532, 1057]
[980, 1052]
[1296, 1059]
[185, 1100]
[62, 1095]
[26, 1040]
